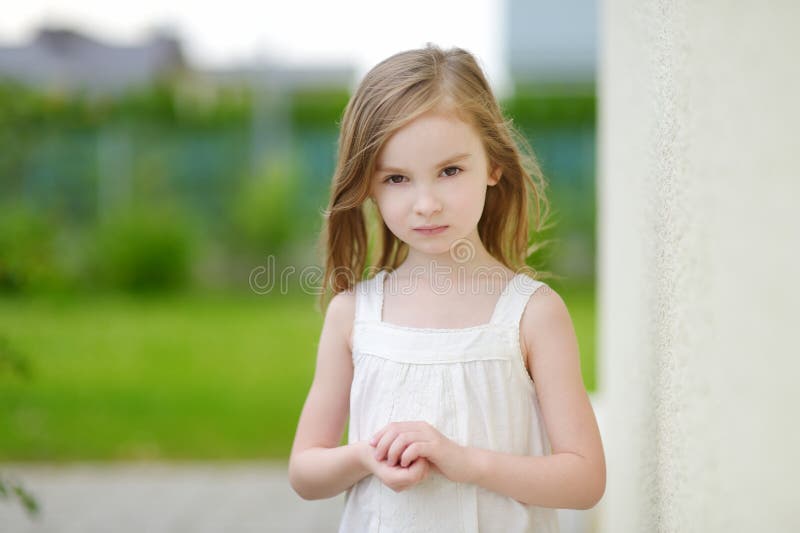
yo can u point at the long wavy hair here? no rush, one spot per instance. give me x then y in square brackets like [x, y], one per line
[393, 93]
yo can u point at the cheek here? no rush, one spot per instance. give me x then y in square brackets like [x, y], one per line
[468, 200]
[392, 209]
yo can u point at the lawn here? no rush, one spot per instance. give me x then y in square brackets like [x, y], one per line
[181, 377]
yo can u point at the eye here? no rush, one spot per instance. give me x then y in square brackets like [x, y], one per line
[390, 179]
[458, 169]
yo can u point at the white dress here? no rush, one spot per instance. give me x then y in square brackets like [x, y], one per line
[469, 383]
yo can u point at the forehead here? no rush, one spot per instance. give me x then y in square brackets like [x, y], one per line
[427, 139]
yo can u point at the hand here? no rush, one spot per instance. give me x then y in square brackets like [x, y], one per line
[404, 443]
[397, 478]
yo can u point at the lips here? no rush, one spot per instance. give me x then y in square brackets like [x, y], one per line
[430, 230]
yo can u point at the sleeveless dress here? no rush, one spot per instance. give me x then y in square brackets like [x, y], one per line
[469, 383]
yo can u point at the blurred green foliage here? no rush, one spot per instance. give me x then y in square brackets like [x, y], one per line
[552, 105]
[161, 103]
[318, 108]
[26, 249]
[143, 249]
[12, 362]
[71, 158]
[14, 489]
[195, 106]
[265, 210]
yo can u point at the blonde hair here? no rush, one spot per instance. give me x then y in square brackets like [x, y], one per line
[392, 94]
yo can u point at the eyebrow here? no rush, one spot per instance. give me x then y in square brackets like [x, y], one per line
[451, 159]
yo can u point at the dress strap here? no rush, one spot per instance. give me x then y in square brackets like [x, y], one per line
[369, 298]
[514, 298]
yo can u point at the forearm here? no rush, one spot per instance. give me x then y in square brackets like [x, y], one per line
[318, 473]
[562, 480]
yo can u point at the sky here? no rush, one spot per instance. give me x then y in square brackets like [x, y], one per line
[356, 32]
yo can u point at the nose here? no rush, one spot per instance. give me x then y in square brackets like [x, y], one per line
[426, 203]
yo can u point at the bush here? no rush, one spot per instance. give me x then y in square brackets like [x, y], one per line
[26, 250]
[144, 249]
[266, 211]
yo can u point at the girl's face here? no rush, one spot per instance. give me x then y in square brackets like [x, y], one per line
[432, 172]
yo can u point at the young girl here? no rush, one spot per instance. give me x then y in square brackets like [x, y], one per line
[459, 371]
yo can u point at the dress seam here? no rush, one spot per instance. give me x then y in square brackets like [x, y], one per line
[432, 362]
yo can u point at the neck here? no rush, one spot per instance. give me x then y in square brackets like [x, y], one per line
[461, 261]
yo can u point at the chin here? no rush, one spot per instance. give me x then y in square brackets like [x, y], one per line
[431, 248]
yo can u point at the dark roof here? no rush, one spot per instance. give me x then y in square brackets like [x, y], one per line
[66, 58]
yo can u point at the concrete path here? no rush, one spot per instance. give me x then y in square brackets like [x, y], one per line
[181, 497]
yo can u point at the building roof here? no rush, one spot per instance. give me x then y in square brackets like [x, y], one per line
[64, 58]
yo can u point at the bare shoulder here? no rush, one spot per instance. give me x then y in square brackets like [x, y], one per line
[341, 314]
[545, 304]
[545, 313]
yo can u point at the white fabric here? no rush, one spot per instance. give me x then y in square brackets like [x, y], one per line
[469, 383]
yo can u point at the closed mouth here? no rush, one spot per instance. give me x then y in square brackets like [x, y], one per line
[431, 230]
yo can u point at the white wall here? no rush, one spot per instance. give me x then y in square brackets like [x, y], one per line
[699, 232]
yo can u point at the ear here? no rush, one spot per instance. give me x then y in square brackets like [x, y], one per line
[495, 177]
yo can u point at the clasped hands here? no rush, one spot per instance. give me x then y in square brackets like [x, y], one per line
[402, 453]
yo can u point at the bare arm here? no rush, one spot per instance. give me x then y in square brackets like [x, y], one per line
[558, 480]
[323, 472]
[318, 466]
[574, 476]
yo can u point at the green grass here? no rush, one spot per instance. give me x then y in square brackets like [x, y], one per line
[183, 377]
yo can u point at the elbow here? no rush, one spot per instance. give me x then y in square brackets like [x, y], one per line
[296, 482]
[302, 490]
[298, 489]
[592, 499]
[303, 487]
[595, 492]
[304, 495]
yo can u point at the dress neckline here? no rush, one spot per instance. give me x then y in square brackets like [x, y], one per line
[380, 277]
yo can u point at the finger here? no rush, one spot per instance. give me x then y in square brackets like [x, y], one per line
[426, 467]
[418, 469]
[384, 442]
[398, 427]
[399, 478]
[400, 444]
[391, 426]
[412, 452]
[388, 433]
[376, 437]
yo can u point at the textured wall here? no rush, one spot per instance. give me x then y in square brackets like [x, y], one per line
[699, 232]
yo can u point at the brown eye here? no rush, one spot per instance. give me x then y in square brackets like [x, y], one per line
[391, 179]
[457, 169]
